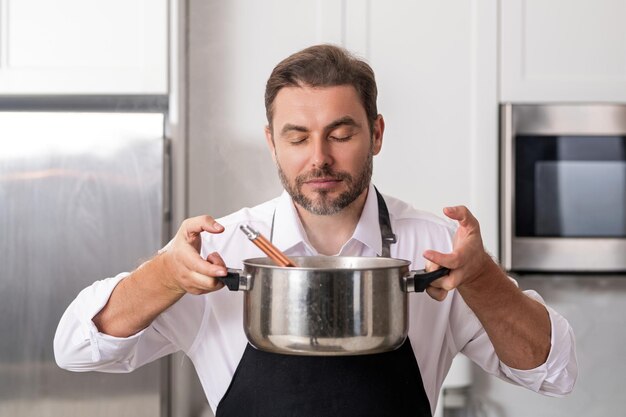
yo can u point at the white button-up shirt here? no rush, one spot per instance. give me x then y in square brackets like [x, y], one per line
[208, 328]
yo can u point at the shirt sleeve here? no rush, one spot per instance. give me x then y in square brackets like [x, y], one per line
[79, 346]
[556, 377]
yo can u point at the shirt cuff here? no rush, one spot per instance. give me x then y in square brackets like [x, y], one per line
[557, 375]
[104, 348]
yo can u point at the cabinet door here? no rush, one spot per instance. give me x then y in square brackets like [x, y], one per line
[83, 47]
[436, 68]
[563, 50]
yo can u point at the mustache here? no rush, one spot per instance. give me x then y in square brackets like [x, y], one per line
[323, 172]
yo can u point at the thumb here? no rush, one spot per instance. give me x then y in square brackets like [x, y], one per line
[442, 259]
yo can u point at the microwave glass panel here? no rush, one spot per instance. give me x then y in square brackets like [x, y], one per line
[570, 186]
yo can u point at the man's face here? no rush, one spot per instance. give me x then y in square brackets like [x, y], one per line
[321, 143]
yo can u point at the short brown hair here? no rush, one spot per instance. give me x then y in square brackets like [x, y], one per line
[324, 66]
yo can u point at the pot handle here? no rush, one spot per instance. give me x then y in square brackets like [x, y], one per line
[419, 280]
[236, 280]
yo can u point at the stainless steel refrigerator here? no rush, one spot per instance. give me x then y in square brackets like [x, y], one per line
[81, 199]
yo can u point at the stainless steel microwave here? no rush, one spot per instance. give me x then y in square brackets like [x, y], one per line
[563, 188]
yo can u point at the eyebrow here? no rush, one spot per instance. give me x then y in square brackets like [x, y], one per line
[290, 128]
[343, 121]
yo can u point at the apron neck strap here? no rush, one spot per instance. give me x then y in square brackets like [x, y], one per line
[386, 233]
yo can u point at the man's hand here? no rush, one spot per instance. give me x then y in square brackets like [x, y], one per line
[152, 288]
[468, 260]
[518, 326]
[186, 271]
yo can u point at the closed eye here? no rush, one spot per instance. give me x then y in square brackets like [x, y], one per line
[297, 140]
[340, 138]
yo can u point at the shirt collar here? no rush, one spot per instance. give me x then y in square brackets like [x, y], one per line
[368, 229]
[289, 232]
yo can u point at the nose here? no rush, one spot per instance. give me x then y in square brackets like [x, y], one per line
[321, 153]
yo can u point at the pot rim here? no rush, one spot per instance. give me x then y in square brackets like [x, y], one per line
[355, 263]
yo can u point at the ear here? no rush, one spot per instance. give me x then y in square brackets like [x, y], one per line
[270, 142]
[379, 129]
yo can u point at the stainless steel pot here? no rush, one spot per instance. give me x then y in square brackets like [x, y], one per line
[328, 305]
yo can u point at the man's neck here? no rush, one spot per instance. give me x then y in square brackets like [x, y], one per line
[329, 233]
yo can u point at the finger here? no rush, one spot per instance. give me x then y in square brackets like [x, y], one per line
[438, 283]
[462, 215]
[449, 260]
[215, 259]
[431, 266]
[446, 283]
[437, 293]
[211, 270]
[205, 283]
[195, 225]
[194, 262]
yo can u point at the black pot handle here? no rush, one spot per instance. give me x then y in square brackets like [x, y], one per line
[233, 279]
[419, 280]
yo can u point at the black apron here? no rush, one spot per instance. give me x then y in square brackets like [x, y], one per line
[384, 384]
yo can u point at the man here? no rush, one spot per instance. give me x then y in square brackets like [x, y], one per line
[323, 131]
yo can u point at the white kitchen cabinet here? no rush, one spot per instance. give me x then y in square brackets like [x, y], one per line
[562, 51]
[436, 67]
[83, 47]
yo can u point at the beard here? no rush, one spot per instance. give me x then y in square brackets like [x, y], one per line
[324, 204]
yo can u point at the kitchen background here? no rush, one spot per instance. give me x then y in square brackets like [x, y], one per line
[443, 68]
